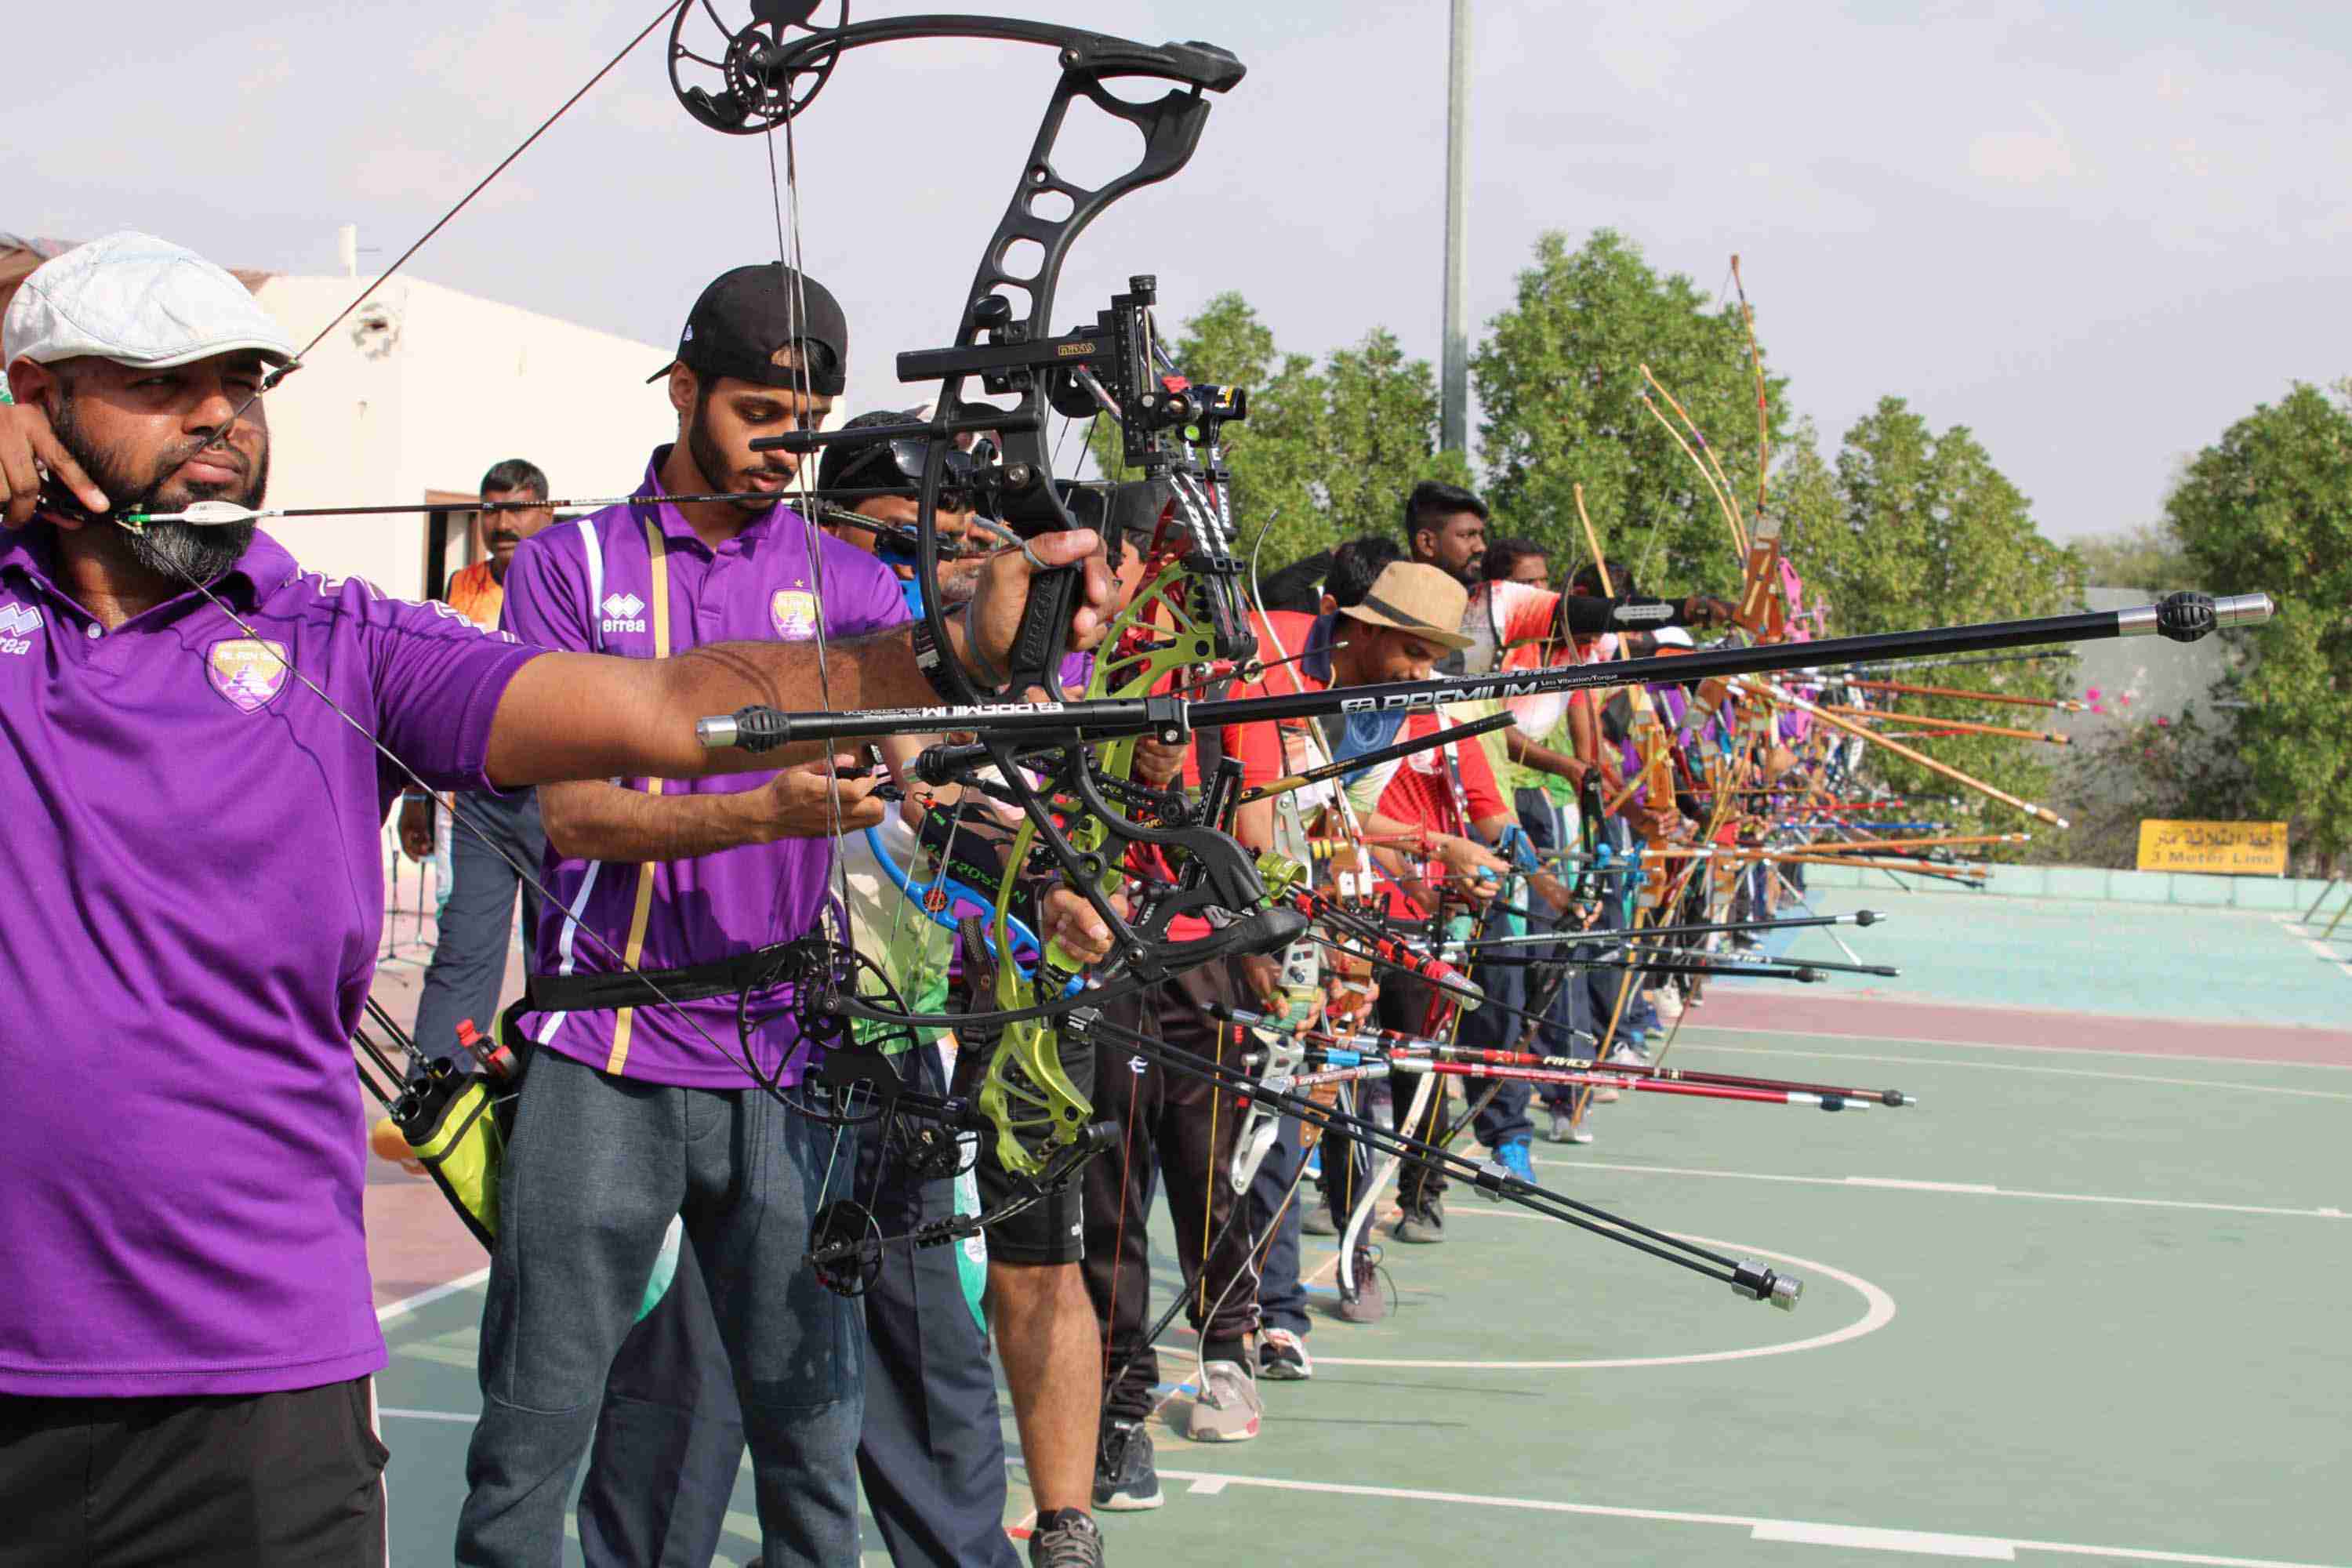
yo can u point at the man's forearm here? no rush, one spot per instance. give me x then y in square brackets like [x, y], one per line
[594, 716]
[1543, 759]
[595, 821]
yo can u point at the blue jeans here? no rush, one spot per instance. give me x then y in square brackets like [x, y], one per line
[1520, 987]
[477, 917]
[930, 1450]
[1281, 1298]
[595, 1168]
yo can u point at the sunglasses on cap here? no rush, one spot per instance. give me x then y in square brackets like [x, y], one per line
[906, 457]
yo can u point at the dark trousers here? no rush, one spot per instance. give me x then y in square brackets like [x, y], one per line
[470, 956]
[228, 1480]
[595, 1169]
[1171, 1125]
[1403, 1005]
[670, 1439]
[930, 1450]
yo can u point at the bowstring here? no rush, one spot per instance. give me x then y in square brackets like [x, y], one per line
[271, 379]
[784, 198]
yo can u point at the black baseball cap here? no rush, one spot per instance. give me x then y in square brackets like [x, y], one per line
[749, 317]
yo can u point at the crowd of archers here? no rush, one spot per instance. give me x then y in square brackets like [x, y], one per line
[927, 861]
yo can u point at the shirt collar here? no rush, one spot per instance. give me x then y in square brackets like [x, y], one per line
[673, 525]
[266, 565]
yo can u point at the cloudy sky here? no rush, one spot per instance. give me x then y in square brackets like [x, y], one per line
[2095, 233]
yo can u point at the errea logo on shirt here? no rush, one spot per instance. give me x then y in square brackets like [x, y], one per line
[624, 613]
[17, 625]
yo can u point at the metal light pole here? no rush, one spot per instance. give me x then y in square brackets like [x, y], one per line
[1454, 378]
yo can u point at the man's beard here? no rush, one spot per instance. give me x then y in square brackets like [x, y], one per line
[715, 471]
[1471, 575]
[181, 552]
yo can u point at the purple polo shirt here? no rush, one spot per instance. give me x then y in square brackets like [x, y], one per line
[636, 581]
[196, 893]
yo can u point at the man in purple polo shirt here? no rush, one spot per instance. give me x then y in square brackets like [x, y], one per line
[202, 743]
[630, 1115]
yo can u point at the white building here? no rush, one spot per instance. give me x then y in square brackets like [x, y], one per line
[417, 393]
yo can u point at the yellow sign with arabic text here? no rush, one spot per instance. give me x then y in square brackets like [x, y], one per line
[2226, 848]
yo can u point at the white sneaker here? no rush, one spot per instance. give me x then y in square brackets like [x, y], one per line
[1227, 1409]
[1670, 1003]
[1282, 1357]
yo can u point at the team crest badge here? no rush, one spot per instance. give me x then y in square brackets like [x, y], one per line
[793, 611]
[248, 671]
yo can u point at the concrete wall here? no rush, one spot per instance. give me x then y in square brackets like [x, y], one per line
[423, 389]
[2275, 894]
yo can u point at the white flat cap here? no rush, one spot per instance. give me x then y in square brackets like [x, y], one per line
[136, 299]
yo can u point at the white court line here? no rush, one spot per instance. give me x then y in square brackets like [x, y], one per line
[2016, 1066]
[1878, 1312]
[408, 1304]
[1929, 1542]
[1208, 1483]
[2011, 1045]
[1758, 1529]
[1972, 1189]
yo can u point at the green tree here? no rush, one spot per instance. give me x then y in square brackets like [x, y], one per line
[2148, 557]
[1559, 383]
[1327, 452]
[2268, 508]
[1926, 531]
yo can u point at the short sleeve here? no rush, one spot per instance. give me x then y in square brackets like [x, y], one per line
[866, 590]
[1530, 614]
[438, 678]
[547, 603]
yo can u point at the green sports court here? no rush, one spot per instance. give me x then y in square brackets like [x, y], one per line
[2084, 1301]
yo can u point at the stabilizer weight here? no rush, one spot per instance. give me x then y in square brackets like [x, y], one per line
[1757, 1283]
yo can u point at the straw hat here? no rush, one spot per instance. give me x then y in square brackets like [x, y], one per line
[1410, 598]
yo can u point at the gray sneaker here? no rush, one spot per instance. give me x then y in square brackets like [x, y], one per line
[1421, 1227]
[1069, 1540]
[1227, 1409]
[1367, 1303]
[1316, 1220]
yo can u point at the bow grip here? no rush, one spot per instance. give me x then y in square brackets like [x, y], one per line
[1036, 657]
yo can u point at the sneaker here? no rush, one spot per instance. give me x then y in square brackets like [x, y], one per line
[1068, 1539]
[1317, 1220]
[1670, 1003]
[1227, 1409]
[1368, 1302]
[1630, 1049]
[1124, 1481]
[1579, 1131]
[1517, 1158]
[1423, 1226]
[1563, 1125]
[1282, 1357]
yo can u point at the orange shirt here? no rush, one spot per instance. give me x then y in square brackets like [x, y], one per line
[475, 594]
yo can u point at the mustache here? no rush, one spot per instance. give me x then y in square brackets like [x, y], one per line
[219, 452]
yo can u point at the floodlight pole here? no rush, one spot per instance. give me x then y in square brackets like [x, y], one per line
[1454, 384]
